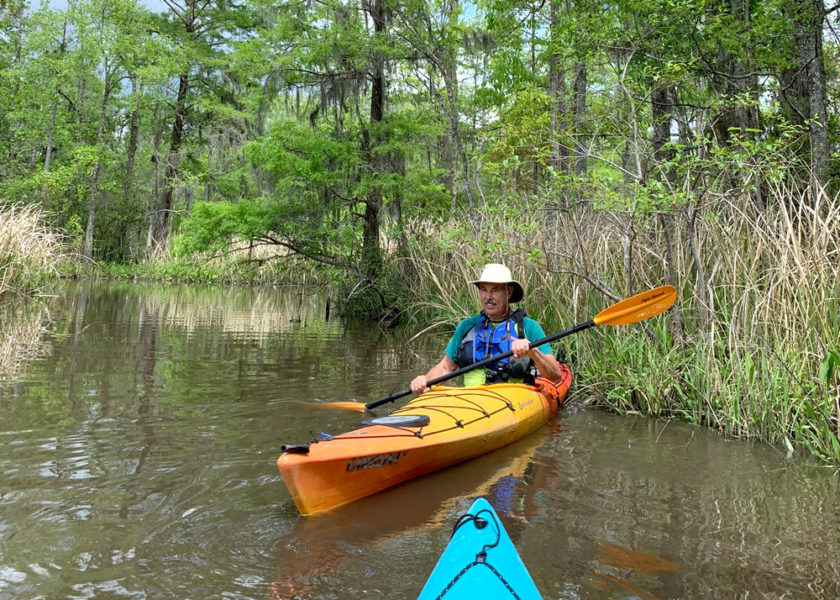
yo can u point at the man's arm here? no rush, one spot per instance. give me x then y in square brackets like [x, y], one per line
[546, 364]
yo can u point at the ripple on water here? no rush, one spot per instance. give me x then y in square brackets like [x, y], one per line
[138, 457]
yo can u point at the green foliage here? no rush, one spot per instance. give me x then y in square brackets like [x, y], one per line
[829, 367]
[522, 154]
[214, 226]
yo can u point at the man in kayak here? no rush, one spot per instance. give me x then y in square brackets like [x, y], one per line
[495, 330]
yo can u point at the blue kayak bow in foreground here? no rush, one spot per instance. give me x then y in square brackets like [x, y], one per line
[480, 561]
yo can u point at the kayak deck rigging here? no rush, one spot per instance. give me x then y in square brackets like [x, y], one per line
[427, 404]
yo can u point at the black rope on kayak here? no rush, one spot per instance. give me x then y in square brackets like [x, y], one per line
[462, 400]
[464, 423]
[480, 523]
[481, 557]
[438, 408]
[444, 409]
[346, 437]
[496, 396]
[470, 566]
[414, 431]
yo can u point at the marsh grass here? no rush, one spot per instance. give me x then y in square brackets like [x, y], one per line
[758, 308]
[29, 252]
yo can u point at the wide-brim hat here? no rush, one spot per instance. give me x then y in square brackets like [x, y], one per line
[496, 273]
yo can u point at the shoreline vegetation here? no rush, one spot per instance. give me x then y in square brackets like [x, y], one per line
[749, 349]
[30, 253]
[387, 150]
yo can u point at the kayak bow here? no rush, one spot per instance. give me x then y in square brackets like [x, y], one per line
[480, 561]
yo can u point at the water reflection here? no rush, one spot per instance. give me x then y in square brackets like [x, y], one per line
[139, 427]
[22, 327]
[318, 546]
[649, 509]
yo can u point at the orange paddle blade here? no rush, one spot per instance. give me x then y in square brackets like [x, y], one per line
[639, 307]
[354, 406]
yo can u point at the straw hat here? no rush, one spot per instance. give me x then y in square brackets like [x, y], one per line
[496, 273]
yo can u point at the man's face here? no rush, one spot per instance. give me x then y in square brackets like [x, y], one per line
[494, 299]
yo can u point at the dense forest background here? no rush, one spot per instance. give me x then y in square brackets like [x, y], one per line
[391, 148]
[316, 125]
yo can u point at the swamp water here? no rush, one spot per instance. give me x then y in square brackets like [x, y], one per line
[139, 427]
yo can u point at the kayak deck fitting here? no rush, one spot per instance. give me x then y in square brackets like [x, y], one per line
[440, 428]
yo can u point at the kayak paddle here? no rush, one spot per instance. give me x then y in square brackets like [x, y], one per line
[632, 310]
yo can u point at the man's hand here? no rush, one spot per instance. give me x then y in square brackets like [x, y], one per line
[521, 348]
[418, 384]
[421, 383]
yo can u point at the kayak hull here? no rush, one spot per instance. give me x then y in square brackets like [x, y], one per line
[457, 424]
[480, 561]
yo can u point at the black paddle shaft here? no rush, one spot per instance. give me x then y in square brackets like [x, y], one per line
[482, 363]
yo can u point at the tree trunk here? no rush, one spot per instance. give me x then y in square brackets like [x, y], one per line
[131, 147]
[663, 98]
[50, 132]
[371, 252]
[557, 95]
[209, 169]
[733, 79]
[450, 154]
[12, 37]
[581, 152]
[809, 39]
[268, 96]
[150, 228]
[661, 112]
[451, 108]
[161, 219]
[87, 250]
[449, 69]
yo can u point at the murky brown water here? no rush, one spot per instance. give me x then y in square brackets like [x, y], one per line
[139, 428]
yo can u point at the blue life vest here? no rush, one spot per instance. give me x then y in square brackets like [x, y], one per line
[487, 339]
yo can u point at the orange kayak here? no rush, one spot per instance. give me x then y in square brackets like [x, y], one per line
[443, 427]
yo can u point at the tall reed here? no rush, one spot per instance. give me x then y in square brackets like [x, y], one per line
[28, 250]
[758, 307]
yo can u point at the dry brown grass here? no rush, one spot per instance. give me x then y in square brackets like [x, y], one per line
[28, 250]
